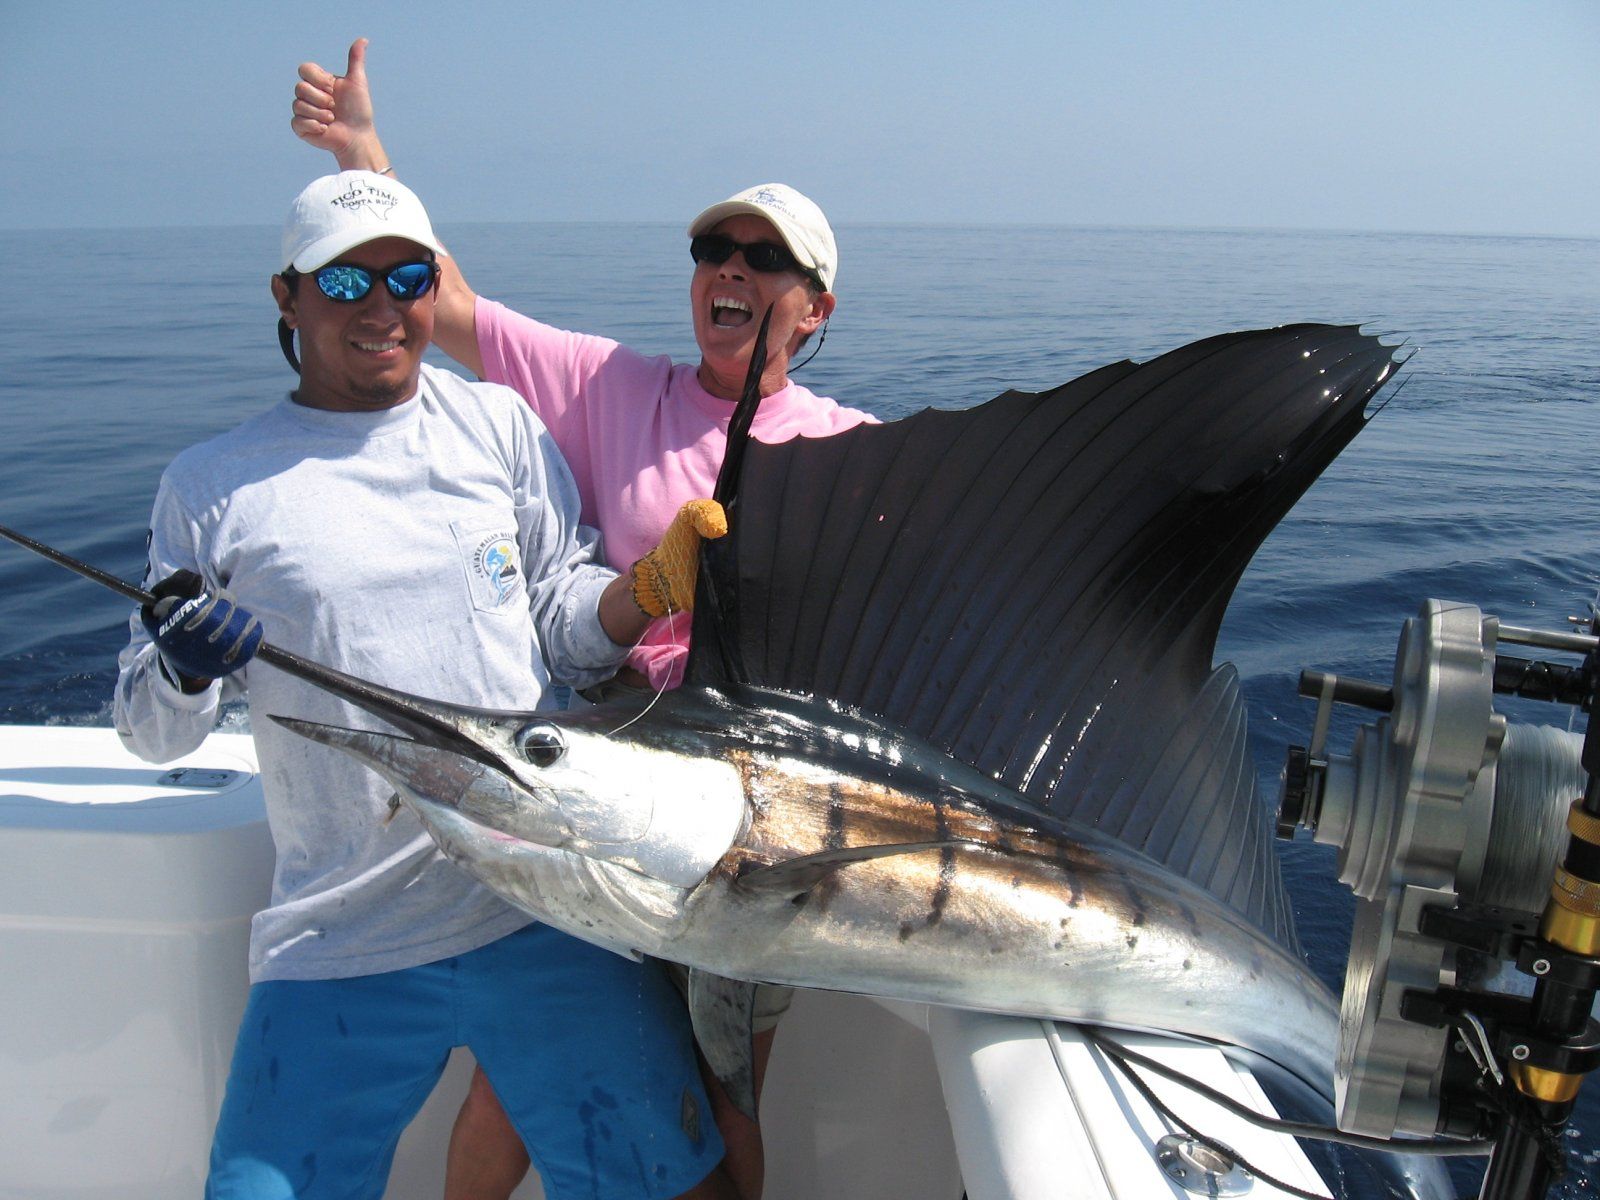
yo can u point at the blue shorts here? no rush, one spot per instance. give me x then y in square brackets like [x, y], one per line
[590, 1054]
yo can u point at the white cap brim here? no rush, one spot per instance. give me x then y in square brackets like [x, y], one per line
[323, 251]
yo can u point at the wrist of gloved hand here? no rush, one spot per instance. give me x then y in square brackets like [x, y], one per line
[663, 581]
[202, 634]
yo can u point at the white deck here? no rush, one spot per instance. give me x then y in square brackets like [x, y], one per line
[125, 900]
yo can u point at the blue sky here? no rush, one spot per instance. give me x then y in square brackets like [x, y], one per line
[1461, 116]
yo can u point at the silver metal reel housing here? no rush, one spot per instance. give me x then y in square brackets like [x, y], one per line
[1440, 801]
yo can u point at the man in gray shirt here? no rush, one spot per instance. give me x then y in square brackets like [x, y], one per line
[403, 524]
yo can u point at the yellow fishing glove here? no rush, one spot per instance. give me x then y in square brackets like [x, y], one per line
[663, 580]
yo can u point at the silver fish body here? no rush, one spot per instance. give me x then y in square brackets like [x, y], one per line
[823, 850]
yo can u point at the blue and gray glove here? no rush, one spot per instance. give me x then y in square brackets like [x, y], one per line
[202, 634]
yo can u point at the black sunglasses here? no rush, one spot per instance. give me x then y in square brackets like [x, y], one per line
[347, 283]
[767, 257]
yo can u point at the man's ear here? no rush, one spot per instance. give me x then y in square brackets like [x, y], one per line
[284, 295]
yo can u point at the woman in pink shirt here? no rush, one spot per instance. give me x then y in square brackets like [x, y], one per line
[642, 435]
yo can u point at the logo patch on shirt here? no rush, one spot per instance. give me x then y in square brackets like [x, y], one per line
[495, 571]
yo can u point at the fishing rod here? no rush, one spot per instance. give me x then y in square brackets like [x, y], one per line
[282, 659]
[357, 691]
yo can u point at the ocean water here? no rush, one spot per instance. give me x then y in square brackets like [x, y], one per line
[1475, 483]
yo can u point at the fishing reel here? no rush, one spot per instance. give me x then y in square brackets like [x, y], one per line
[1450, 824]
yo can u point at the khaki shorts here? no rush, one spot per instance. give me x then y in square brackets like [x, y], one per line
[772, 1000]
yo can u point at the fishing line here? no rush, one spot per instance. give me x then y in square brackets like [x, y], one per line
[1594, 623]
[672, 630]
[1476, 1039]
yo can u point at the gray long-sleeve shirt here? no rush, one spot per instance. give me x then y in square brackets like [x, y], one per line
[433, 547]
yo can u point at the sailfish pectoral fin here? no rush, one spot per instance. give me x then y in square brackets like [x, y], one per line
[722, 1012]
[797, 876]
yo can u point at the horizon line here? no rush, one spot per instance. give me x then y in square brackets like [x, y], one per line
[1086, 226]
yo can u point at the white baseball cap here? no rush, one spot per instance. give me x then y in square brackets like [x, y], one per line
[340, 212]
[797, 219]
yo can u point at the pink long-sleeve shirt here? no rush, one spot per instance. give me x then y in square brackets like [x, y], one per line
[641, 437]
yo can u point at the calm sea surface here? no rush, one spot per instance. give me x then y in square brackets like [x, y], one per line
[1477, 483]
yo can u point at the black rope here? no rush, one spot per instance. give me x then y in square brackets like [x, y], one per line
[286, 344]
[1440, 1147]
[1125, 1060]
[1510, 1104]
[1216, 1147]
[814, 349]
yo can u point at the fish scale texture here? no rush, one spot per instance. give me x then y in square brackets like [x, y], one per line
[1035, 585]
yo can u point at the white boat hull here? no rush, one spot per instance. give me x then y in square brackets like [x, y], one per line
[126, 894]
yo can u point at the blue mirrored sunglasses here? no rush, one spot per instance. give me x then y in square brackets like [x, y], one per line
[347, 283]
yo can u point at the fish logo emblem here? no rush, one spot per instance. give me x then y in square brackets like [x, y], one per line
[497, 569]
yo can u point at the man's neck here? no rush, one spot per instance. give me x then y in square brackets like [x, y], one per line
[310, 396]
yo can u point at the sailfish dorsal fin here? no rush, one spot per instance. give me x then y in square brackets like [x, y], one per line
[1035, 585]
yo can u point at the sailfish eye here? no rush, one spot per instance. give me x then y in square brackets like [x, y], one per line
[541, 744]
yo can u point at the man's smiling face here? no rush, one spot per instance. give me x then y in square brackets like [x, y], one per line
[364, 355]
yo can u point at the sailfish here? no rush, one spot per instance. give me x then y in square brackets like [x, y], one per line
[951, 729]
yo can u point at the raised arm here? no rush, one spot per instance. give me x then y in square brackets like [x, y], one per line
[334, 113]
